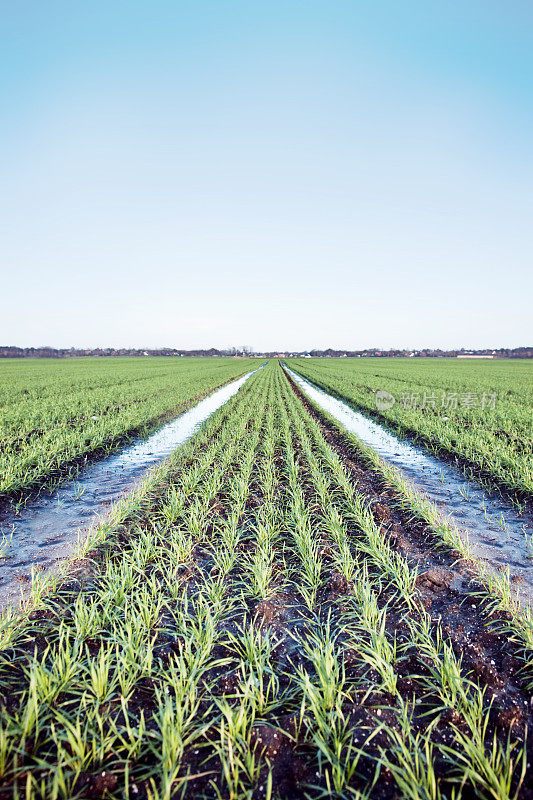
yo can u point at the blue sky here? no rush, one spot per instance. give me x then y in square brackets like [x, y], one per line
[284, 175]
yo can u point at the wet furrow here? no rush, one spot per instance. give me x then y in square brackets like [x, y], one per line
[49, 528]
[497, 532]
[254, 633]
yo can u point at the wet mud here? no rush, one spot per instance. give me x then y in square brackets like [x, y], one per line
[497, 532]
[282, 737]
[50, 527]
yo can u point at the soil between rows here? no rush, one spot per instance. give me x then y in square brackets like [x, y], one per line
[445, 586]
[72, 467]
[469, 469]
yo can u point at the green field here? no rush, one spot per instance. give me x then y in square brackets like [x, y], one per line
[478, 411]
[248, 626]
[56, 412]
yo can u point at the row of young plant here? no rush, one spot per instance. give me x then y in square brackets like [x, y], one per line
[500, 602]
[469, 750]
[248, 633]
[54, 413]
[74, 681]
[478, 412]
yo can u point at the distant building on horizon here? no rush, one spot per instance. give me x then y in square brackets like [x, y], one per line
[470, 355]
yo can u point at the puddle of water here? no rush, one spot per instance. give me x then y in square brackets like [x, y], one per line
[48, 528]
[494, 526]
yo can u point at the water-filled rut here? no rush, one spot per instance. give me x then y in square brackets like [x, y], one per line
[496, 530]
[48, 528]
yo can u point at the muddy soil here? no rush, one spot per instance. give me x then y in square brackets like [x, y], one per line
[495, 527]
[50, 527]
[282, 736]
[468, 469]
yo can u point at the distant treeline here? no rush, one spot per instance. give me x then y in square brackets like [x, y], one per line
[72, 352]
[232, 352]
[502, 352]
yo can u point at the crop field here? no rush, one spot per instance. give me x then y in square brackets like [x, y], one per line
[478, 412]
[54, 414]
[267, 617]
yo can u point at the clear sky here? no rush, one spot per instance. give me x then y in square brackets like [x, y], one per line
[279, 174]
